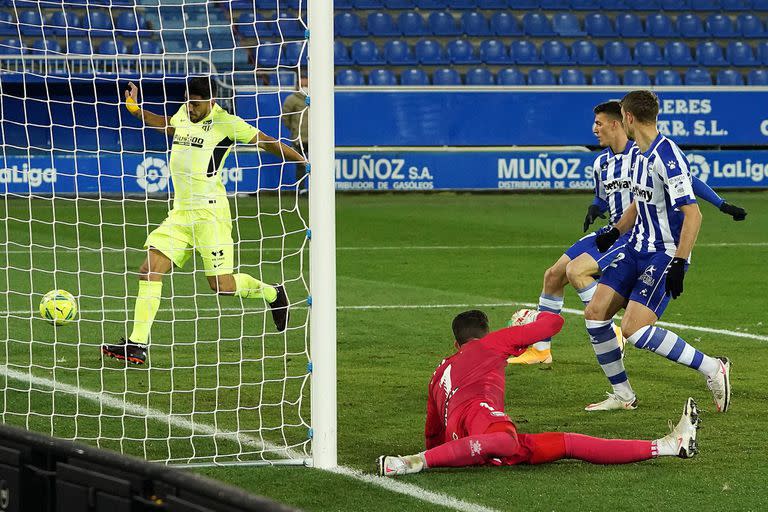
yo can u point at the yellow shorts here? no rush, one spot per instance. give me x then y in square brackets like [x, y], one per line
[209, 232]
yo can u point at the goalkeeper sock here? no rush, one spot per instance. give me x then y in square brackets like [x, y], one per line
[472, 450]
[553, 305]
[147, 303]
[607, 451]
[248, 287]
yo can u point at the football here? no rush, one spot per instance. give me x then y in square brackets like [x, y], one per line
[522, 317]
[59, 307]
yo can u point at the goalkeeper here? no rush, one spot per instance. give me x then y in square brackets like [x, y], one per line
[203, 134]
[466, 424]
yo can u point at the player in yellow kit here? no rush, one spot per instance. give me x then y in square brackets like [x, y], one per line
[203, 134]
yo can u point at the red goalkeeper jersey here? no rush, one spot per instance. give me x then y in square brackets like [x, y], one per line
[476, 372]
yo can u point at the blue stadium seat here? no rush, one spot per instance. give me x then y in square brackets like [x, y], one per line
[109, 47]
[127, 24]
[267, 55]
[537, 25]
[381, 24]
[697, 76]
[675, 5]
[461, 51]
[79, 46]
[414, 77]
[60, 23]
[629, 25]
[7, 26]
[660, 25]
[705, 5]
[474, 24]
[382, 77]
[648, 53]
[505, 24]
[572, 76]
[341, 54]
[294, 53]
[757, 77]
[12, 47]
[398, 53]
[555, 52]
[709, 53]
[613, 5]
[412, 24]
[289, 26]
[605, 77]
[246, 25]
[396, 4]
[429, 51]
[668, 77]
[541, 76]
[458, 5]
[365, 5]
[617, 53]
[441, 23]
[644, 5]
[492, 4]
[678, 53]
[554, 5]
[341, 5]
[719, 25]
[30, 23]
[599, 25]
[365, 53]
[762, 52]
[510, 76]
[734, 5]
[585, 5]
[446, 76]
[729, 77]
[585, 53]
[44, 46]
[146, 47]
[480, 76]
[347, 24]
[525, 4]
[524, 52]
[689, 25]
[749, 25]
[98, 23]
[760, 5]
[740, 54]
[636, 77]
[566, 24]
[493, 51]
[349, 77]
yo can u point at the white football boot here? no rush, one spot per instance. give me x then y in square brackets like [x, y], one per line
[720, 385]
[390, 465]
[613, 403]
[682, 440]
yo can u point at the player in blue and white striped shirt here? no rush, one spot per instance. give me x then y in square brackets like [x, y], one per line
[613, 194]
[664, 221]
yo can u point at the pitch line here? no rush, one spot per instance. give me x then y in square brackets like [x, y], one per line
[106, 400]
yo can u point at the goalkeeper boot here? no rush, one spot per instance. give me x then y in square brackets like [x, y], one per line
[126, 351]
[395, 466]
[533, 356]
[720, 385]
[279, 308]
[613, 403]
[682, 440]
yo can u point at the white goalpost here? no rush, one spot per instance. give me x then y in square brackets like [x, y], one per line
[83, 183]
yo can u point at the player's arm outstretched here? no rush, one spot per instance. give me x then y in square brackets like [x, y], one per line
[277, 148]
[156, 121]
[537, 326]
[705, 192]
[607, 238]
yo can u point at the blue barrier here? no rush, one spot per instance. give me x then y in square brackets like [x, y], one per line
[395, 170]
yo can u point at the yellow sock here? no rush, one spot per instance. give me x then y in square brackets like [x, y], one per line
[248, 287]
[144, 313]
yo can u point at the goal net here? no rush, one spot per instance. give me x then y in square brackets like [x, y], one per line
[83, 183]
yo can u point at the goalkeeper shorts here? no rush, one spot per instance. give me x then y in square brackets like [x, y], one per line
[209, 232]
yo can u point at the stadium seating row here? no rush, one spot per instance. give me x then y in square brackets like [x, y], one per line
[553, 53]
[544, 77]
[97, 23]
[443, 23]
[553, 5]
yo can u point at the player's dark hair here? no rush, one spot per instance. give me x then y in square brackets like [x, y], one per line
[644, 105]
[610, 108]
[201, 86]
[469, 325]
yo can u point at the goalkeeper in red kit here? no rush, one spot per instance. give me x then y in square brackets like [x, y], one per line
[466, 424]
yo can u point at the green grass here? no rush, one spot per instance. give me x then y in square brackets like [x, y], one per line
[492, 249]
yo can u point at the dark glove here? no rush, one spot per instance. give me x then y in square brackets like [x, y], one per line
[733, 210]
[593, 213]
[605, 240]
[675, 275]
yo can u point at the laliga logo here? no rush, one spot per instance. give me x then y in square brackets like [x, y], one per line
[152, 174]
[699, 166]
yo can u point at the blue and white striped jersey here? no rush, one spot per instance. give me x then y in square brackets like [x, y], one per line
[613, 180]
[661, 185]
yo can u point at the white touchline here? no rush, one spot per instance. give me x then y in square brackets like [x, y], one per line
[110, 401]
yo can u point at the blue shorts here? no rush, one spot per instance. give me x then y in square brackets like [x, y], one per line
[586, 245]
[640, 277]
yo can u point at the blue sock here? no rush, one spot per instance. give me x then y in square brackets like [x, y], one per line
[553, 305]
[608, 353]
[674, 348]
